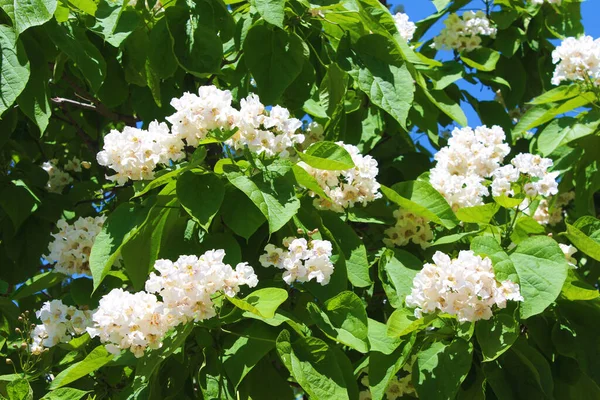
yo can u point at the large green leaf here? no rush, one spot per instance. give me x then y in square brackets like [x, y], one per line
[441, 368]
[344, 319]
[275, 58]
[542, 270]
[262, 302]
[272, 11]
[114, 22]
[71, 39]
[19, 389]
[422, 199]
[314, 366]
[397, 269]
[65, 393]
[273, 195]
[483, 59]
[328, 156]
[201, 195]
[585, 235]
[240, 214]
[496, 335]
[94, 360]
[38, 283]
[30, 13]
[564, 130]
[14, 71]
[122, 224]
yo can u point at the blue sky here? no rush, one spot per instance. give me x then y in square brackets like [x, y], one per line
[419, 9]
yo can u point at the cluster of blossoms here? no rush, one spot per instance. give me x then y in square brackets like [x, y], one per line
[130, 321]
[465, 287]
[347, 187]
[569, 250]
[405, 27]
[302, 261]
[396, 388]
[409, 227]
[464, 33]
[577, 60]
[58, 179]
[60, 323]
[135, 153]
[462, 166]
[187, 285]
[548, 212]
[531, 170]
[72, 244]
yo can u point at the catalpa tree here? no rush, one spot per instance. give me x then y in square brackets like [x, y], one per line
[279, 199]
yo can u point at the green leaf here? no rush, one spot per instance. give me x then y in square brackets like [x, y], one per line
[483, 59]
[327, 156]
[478, 214]
[314, 366]
[508, 202]
[397, 269]
[497, 334]
[352, 248]
[241, 354]
[557, 94]
[448, 106]
[87, 6]
[37, 284]
[275, 58]
[262, 302]
[72, 40]
[65, 394]
[503, 266]
[93, 361]
[403, 321]
[453, 238]
[576, 288]
[225, 241]
[201, 195]
[124, 222]
[379, 340]
[114, 22]
[308, 181]
[422, 199]
[584, 235]
[384, 367]
[542, 270]
[240, 214]
[275, 197]
[30, 13]
[19, 389]
[272, 11]
[14, 71]
[160, 54]
[196, 46]
[18, 202]
[562, 131]
[385, 79]
[440, 369]
[343, 319]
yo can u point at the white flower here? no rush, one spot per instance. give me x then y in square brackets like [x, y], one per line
[302, 262]
[540, 2]
[70, 250]
[569, 250]
[409, 227]
[464, 33]
[60, 323]
[348, 187]
[577, 60]
[465, 287]
[405, 27]
[58, 179]
[130, 321]
[187, 285]
[135, 153]
[73, 165]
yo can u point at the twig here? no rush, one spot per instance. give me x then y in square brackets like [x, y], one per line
[61, 100]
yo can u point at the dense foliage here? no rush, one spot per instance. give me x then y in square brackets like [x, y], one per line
[270, 199]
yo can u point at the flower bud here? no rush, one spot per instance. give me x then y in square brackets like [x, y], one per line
[9, 361]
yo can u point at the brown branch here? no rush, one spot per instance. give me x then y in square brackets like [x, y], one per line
[61, 100]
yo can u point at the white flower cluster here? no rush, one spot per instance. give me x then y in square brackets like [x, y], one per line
[540, 2]
[577, 60]
[464, 33]
[135, 153]
[465, 287]
[130, 321]
[60, 323]
[405, 27]
[545, 213]
[568, 251]
[58, 179]
[347, 187]
[409, 227]
[462, 166]
[532, 170]
[187, 285]
[302, 261]
[72, 244]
